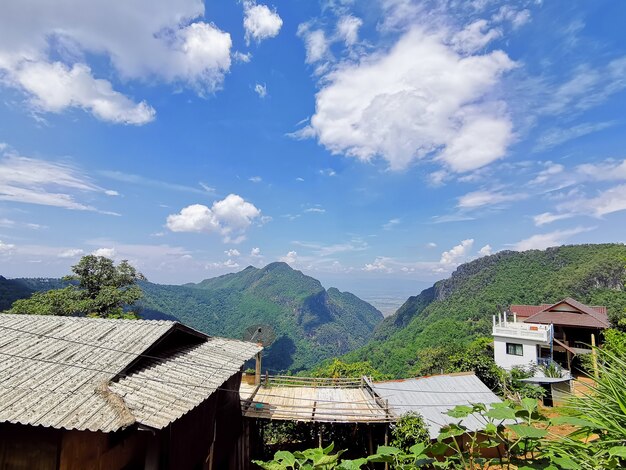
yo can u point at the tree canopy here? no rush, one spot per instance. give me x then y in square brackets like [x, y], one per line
[96, 287]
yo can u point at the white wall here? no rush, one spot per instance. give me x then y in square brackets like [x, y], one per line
[508, 361]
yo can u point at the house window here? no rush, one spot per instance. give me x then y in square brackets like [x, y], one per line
[515, 349]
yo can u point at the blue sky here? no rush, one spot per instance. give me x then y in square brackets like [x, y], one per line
[377, 143]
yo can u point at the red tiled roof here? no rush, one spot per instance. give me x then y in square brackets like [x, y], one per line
[527, 310]
[581, 316]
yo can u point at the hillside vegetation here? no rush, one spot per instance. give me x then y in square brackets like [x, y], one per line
[453, 312]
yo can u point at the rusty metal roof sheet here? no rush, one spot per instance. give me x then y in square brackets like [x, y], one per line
[58, 371]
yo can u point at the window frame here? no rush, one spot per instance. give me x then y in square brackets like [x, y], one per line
[513, 347]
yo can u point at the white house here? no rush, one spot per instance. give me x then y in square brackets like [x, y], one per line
[528, 335]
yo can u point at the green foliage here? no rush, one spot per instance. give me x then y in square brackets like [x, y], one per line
[96, 288]
[336, 368]
[311, 324]
[447, 317]
[478, 358]
[409, 430]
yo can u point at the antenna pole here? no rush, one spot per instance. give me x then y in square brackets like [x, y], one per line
[257, 370]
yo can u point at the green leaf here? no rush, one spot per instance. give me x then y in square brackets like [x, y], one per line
[529, 404]
[500, 413]
[618, 451]
[285, 457]
[330, 448]
[417, 449]
[460, 411]
[352, 464]
[388, 450]
[525, 431]
[565, 463]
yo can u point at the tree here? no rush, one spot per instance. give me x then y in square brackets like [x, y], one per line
[96, 288]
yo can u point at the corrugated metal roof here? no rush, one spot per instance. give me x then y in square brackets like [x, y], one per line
[162, 391]
[57, 371]
[432, 397]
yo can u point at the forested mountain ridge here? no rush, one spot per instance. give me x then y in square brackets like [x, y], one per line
[456, 310]
[310, 323]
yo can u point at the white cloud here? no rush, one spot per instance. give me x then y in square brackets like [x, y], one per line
[481, 198]
[606, 202]
[232, 253]
[45, 55]
[315, 210]
[106, 252]
[327, 172]
[485, 250]
[260, 22]
[316, 44]
[559, 135]
[230, 217]
[71, 253]
[546, 240]
[241, 57]
[551, 170]
[54, 87]
[475, 36]
[290, 258]
[391, 224]
[437, 103]
[34, 181]
[6, 247]
[229, 263]
[260, 90]
[300, 179]
[255, 252]
[379, 264]
[548, 217]
[431, 245]
[322, 250]
[348, 29]
[458, 253]
[610, 170]
[516, 17]
[255, 179]
[110, 192]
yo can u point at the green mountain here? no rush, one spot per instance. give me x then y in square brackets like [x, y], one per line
[310, 323]
[456, 310]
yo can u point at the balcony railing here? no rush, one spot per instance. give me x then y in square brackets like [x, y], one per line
[523, 331]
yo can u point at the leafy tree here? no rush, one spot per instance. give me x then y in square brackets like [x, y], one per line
[96, 288]
[409, 430]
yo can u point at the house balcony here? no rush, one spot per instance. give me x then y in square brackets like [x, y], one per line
[530, 331]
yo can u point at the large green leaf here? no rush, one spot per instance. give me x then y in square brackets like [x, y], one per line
[526, 431]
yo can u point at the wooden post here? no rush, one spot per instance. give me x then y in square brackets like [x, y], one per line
[257, 370]
[594, 355]
[370, 440]
[319, 435]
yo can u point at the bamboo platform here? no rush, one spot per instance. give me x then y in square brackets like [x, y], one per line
[307, 399]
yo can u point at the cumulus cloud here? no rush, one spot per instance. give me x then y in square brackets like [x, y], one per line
[290, 258]
[6, 247]
[230, 217]
[106, 252]
[72, 253]
[255, 252]
[34, 181]
[45, 55]
[232, 253]
[438, 103]
[485, 250]
[378, 265]
[260, 22]
[53, 87]
[458, 253]
[546, 240]
[481, 198]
